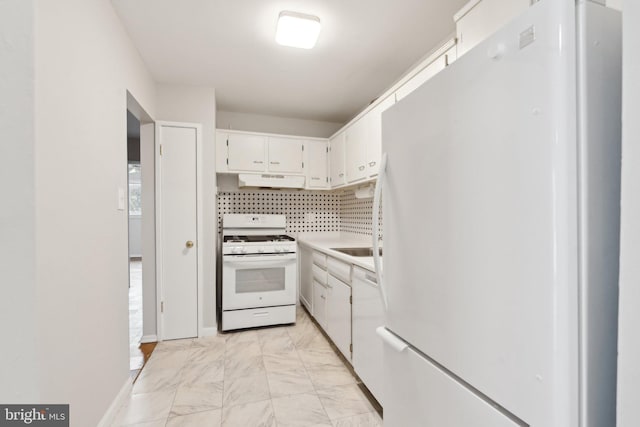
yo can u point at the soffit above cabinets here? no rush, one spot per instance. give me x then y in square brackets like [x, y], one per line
[363, 48]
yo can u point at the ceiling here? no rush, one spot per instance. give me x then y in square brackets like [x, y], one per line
[363, 48]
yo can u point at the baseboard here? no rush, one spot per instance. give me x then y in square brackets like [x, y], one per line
[110, 416]
[148, 338]
[209, 332]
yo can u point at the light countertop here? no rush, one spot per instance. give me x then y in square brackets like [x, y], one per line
[323, 242]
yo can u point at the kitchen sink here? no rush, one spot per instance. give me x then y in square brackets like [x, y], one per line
[357, 252]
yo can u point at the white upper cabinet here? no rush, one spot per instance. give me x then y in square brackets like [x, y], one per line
[221, 151]
[285, 155]
[246, 152]
[356, 138]
[439, 64]
[478, 19]
[316, 164]
[336, 159]
[374, 145]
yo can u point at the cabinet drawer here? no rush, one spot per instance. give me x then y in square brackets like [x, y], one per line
[251, 318]
[339, 269]
[320, 259]
[319, 274]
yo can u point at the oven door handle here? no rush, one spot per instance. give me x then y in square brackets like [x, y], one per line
[243, 262]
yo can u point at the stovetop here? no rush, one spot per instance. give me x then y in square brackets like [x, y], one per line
[258, 239]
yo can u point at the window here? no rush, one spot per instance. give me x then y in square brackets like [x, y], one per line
[135, 189]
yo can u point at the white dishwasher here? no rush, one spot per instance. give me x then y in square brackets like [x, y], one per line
[367, 315]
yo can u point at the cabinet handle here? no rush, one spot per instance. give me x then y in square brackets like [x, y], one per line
[275, 163]
[315, 178]
[322, 296]
[341, 175]
[372, 164]
[258, 162]
[361, 168]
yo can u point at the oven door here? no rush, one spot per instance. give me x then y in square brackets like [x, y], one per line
[250, 281]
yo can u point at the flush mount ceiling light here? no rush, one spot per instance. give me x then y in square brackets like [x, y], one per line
[297, 30]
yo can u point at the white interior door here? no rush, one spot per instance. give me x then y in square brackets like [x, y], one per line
[178, 231]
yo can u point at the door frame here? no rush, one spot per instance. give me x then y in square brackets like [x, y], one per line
[199, 222]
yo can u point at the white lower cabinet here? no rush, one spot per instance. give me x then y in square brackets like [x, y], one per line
[320, 304]
[367, 315]
[305, 279]
[327, 297]
[339, 315]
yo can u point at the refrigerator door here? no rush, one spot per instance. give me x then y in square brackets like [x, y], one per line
[444, 403]
[480, 219]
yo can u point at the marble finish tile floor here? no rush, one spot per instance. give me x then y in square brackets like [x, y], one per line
[287, 376]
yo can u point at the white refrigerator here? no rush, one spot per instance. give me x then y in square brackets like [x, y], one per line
[500, 201]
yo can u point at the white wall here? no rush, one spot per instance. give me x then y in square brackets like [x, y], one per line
[196, 104]
[85, 63]
[273, 124]
[18, 368]
[135, 236]
[148, 232]
[628, 338]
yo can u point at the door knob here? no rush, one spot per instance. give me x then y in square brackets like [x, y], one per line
[189, 244]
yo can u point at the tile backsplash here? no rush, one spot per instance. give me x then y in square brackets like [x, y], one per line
[356, 214]
[306, 211]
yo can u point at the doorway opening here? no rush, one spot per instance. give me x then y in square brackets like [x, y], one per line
[141, 254]
[134, 184]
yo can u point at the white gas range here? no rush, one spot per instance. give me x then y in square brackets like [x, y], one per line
[259, 274]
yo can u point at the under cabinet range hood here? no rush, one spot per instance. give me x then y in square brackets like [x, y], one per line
[270, 180]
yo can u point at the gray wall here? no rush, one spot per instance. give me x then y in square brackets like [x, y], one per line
[19, 373]
[629, 326]
[273, 124]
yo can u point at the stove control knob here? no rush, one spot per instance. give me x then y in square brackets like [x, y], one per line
[276, 250]
[243, 250]
[260, 250]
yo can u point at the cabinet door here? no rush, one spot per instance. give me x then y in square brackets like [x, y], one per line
[367, 316]
[336, 158]
[429, 71]
[285, 155]
[221, 152]
[485, 18]
[374, 144]
[356, 137]
[320, 304]
[339, 315]
[246, 152]
[305, 257]
[316, 163]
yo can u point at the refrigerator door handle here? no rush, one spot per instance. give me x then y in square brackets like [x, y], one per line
[377, 196]
[391, 340]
